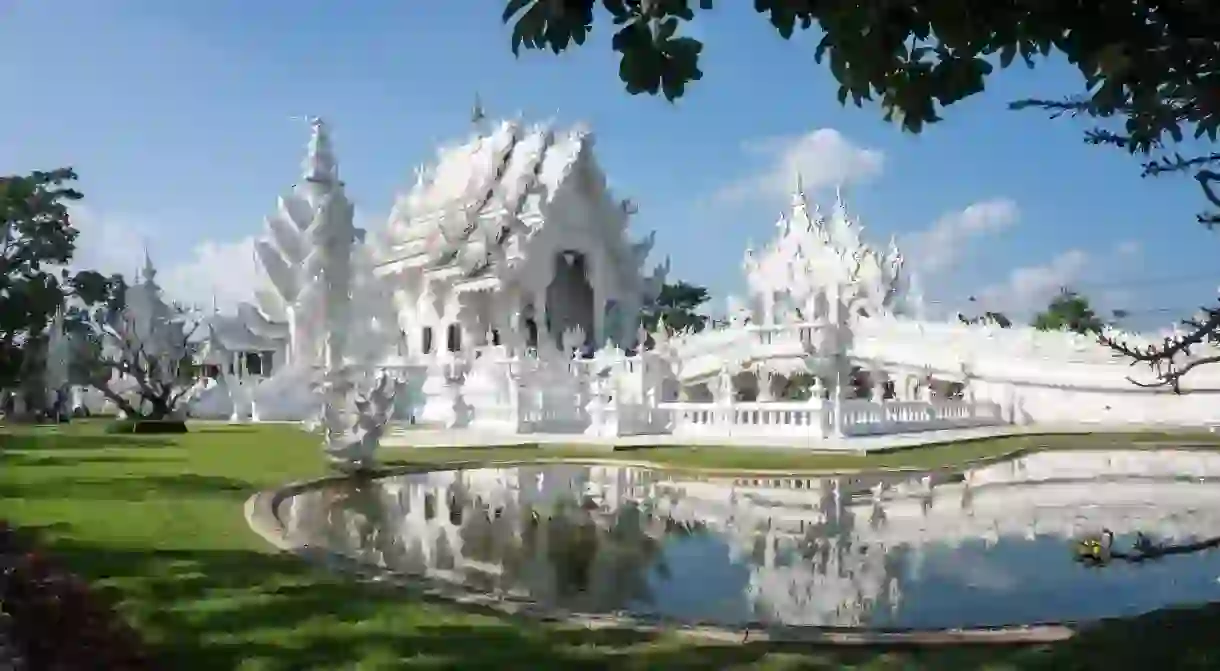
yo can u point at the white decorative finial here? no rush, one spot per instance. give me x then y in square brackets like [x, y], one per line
[149, 272]
[320, 164]
[477, 114]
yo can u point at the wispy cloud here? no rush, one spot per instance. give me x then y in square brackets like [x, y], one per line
[943, 244]
[225, 270]
[823, 158]
[1029, 288]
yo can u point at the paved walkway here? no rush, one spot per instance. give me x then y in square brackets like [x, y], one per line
[425, 437]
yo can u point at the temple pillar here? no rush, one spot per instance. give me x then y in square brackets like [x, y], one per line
[877, 379]
[903, 388]
[764, 379]
[468, 332]
[540, 317]
[597, 276]
[842, 379]
[599, 318]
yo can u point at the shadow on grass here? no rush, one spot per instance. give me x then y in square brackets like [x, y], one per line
[32, 458]
[52, 441]
[224, 609]
[135, 488]
[224, 428]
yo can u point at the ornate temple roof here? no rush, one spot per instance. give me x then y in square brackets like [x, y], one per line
[811, 253]
[468, 215]
[247, 331]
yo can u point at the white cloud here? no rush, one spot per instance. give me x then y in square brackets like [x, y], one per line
[213, 269]
[822, 157]
[1129, 248]
[942, 244]
[1030, 288]
[226, 270]
[108, 245]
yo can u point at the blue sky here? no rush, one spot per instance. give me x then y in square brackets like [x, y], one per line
[178, 116]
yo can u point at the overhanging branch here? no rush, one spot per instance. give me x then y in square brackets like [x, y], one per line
[1163, 358]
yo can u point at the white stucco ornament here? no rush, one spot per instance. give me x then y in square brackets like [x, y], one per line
[509, 253]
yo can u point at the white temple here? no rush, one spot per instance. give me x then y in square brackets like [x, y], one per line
[505, 292]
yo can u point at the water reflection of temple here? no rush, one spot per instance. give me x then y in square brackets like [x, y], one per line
[817, 551]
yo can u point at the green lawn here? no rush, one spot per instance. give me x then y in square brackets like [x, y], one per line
[158, 521]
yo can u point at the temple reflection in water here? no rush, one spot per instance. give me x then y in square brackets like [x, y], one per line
[914, 550]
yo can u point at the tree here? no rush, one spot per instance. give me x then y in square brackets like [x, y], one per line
[138, 344]
[36, 240]
[1069, 311]
[1148, 69]
[678, 303]
[988, 317]
[1136, 56]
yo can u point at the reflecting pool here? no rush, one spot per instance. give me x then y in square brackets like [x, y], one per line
[992, 546]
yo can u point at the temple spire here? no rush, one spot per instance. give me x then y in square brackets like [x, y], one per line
[320, 164]
[478, 115]
[149, 272]
[800, 204]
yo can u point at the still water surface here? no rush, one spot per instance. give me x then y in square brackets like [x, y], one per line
[865, 551]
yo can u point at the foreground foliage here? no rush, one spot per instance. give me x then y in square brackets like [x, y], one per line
[55, 620]
[156, 523]
[36, 240]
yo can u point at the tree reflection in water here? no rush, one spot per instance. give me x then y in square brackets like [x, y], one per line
[570, 550]
[588, 557]
[356, 515]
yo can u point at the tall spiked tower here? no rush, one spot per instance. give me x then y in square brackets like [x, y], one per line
[315, 211]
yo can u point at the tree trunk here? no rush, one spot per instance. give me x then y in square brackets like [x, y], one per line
[159, 405]
[119, 402]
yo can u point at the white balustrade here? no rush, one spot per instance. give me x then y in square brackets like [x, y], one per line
[860, 417]
[747, 419]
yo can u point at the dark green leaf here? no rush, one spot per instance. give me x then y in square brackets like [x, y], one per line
[512, 8]
[1007, 54]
